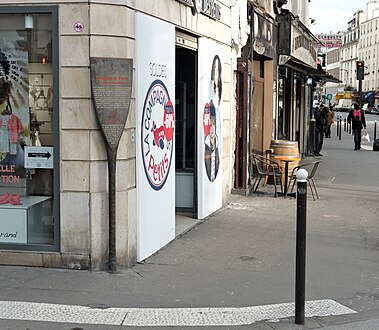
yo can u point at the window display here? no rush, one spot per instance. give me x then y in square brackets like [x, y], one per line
[26, 130]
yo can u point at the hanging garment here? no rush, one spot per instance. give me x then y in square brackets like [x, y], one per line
[10, 129]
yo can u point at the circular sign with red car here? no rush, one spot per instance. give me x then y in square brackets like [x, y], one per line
[157, 133]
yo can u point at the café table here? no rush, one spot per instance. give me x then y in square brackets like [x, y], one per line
[286, 160]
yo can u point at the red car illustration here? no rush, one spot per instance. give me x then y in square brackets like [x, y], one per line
[159, 135]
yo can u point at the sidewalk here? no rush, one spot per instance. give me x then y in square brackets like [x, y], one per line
[237, 266]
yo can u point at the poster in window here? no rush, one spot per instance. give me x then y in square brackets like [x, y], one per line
[210, 127]
[14, 107]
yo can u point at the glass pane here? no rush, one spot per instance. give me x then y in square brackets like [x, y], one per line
[26, 143]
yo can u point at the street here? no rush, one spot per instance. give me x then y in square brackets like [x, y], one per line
[235, 269]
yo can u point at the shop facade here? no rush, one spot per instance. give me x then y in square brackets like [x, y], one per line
[255, 92]
[299, 76]
[297, 58]
[175, 153]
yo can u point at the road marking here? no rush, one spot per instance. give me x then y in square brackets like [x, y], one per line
[227, 316]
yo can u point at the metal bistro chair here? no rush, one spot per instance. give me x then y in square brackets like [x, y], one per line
[310, 178]
[266, 168]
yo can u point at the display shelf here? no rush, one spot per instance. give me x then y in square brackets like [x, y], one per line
[24, 223]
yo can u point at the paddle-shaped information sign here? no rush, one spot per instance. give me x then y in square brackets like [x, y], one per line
[111, 82]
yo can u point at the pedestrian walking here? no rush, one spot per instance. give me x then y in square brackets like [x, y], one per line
[357, 120]
[330, 122]
[321, 123]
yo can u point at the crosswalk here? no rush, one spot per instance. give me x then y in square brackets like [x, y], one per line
[227, 316]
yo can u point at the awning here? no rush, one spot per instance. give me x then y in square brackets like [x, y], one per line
[295, 64]
[369, 96]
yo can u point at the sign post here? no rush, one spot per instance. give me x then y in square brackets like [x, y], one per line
[329, 98]
[111, 83]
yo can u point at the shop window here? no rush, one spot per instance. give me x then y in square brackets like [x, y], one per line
[27, 127]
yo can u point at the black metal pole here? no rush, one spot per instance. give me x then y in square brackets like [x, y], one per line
[340, 133]
[312, 136]
[112, 155]
[375, 131]
[301, 217]
[360, 91]
[344, 124]
[338, 124]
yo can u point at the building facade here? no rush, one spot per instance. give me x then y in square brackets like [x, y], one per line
[174, 154]
[349, 51]
[368, 52]
[333, 56]
[255, 91]
[117, 137]
[297, 64]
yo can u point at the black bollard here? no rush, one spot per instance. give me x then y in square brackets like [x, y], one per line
[338, 124]
[301, 217]
[375, 131]
[344, 124]
[340, 131]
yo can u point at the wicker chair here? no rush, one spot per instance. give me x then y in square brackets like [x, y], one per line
[265, 168]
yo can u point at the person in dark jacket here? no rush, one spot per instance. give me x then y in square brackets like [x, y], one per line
[357, 120]
[321, 123]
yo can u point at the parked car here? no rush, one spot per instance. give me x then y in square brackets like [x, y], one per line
[375, 111]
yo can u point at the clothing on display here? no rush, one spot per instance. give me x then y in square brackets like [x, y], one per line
[10, 129]
[13, 199]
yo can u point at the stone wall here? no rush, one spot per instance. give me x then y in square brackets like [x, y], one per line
[109, 31]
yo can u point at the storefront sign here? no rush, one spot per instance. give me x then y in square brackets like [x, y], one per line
[303, 46]
[186, 2]
[263, 41]
[212, 9]
[330, 40]
[157, 139]
[111, 80]
[13, 225]
[208, 7]
[39, 157]
[155, 125]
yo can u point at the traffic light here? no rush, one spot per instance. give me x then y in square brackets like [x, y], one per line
[360, 70]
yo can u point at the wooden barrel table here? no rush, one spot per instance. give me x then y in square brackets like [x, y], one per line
[286, 148]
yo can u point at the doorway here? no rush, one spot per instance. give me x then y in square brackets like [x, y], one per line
[185, 138]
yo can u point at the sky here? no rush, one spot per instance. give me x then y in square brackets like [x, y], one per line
[333, 15]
